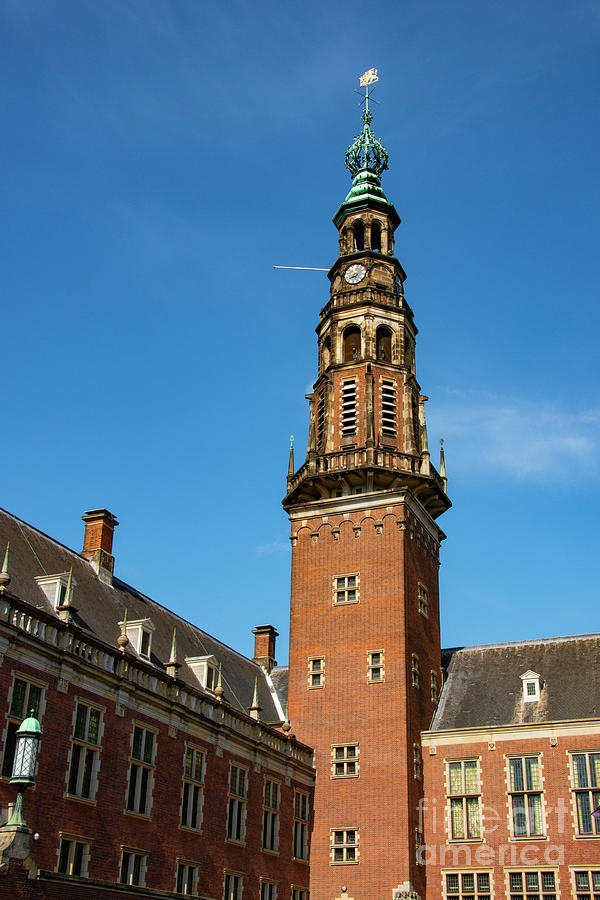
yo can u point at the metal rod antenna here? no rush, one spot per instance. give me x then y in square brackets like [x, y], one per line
[303, 268]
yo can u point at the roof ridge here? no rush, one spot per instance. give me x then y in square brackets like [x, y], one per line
[523, 643]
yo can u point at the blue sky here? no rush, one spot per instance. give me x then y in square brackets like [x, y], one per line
[159, 158]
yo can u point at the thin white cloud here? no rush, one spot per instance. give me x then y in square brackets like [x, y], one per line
[517, 438]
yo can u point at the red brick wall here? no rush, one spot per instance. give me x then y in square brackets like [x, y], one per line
[47, 811]
[498, 851]
[386, 718]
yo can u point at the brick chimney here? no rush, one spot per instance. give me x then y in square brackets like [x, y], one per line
[98, 540]
[264, 646]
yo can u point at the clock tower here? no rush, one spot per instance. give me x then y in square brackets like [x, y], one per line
[364, 670]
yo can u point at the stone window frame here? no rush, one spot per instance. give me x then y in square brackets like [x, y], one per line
[540, 892]
[13, 720]
[482, 888]
[271, 814]
[139, 765]
[464, 795]
[237, 804]
[348, 846]
[194, 786]
[374, 666]
[268, 888]
[70, 841]
[88, 751]
[301, 816]
[345, 760]
[423, 599]
[233, 884]
[316, 674]
[592, 889]
[526, 793]
[183, 869]
[592, 792]
[415, 672]
[130, 858]
[345, 589]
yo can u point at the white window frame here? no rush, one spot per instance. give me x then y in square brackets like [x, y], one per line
[268, 889]
[55, 587]
[137, 631]
[464, 796]
[529, 892]
[591, 791]
[474, 892]
[593, 876]
[233, 885]
[205, 669]
[531, 686]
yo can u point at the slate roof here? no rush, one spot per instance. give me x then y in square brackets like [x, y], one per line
[279, 677]
[100, 607]
[484, 686]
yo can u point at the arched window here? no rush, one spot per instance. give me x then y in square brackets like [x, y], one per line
[383, 340]
[326, 352]
[352, 343]
[359, 235]
[376, 236]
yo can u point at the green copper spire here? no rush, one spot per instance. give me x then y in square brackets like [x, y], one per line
[366, 159]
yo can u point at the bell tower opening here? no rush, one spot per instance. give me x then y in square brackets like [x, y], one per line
[383, 341]
[352, 343]
[358, 232]
[376, 237]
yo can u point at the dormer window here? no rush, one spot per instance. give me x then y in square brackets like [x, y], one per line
[205, 670]
[531, 686]
[139, 633]
[55, 587]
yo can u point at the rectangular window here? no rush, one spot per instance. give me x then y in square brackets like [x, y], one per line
[587, 884]
[463, 795]
[422, 600]
[345, 589]
[467, 886]
[348, 408]
[344, 845]
[238, 792]
[300, 825]
[73, 856]
[193, 788]
[388, 409]
[268, 890]
[141, 769]
[414, 671]
[316, 671]
[586, 780]
[26, 699]
[233, 886]
[375, 665]
[525, 790]
[133, 868]
[84, 752]
[299, 893]
[530, 885]
[186, 879]
[344, 760]
[271, 815]
[417, 764]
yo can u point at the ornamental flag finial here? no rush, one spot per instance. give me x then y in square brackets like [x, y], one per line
[366, 151]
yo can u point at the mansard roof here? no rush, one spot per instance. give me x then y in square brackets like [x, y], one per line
[484, 686]
[98, 608]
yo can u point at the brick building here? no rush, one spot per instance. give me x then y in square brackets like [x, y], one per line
[402, 772]
[469, 774]
[166, 762]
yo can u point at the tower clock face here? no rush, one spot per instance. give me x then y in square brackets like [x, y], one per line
[355, 273]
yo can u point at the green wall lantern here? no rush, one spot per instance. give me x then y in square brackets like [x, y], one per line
[28, 740]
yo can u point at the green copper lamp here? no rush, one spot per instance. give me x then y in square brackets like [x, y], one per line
[27, 748]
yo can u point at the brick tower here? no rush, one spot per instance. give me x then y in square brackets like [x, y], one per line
[365, 642]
